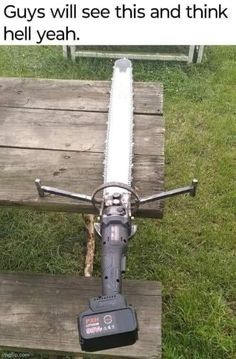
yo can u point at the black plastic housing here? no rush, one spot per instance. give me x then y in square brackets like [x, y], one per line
[109, 323]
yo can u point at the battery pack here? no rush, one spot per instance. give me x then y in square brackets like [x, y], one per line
[108, 323]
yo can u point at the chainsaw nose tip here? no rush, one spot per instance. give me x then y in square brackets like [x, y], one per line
[123, 64]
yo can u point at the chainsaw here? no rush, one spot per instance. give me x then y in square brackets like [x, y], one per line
[110, 321]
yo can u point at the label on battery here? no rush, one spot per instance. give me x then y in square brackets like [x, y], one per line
[102, 324]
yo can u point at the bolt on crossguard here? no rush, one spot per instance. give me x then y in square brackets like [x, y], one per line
[110, 321]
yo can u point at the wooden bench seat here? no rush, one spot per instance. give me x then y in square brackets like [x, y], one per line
[38, 313]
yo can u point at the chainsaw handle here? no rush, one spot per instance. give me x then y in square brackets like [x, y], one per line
[115, 234]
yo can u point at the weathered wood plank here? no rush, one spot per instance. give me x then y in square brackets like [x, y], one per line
[38, 312]
[75, 95]
[79, 135]
[132, 55]
[76, 171]
[74, 130]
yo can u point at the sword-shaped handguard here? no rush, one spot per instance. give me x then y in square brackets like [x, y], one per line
[135, 203]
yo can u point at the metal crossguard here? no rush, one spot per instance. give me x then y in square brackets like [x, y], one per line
[135, 202]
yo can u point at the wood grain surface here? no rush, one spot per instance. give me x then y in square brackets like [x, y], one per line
[39, 311]
[56, 129]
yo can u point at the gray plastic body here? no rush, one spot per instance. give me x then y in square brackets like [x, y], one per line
[115, 232]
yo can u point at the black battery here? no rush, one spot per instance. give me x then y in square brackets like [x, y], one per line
[108, 323]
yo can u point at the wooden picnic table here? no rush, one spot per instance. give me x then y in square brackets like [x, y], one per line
[55, 130]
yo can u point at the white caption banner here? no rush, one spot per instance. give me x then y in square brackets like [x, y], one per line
[111, 22]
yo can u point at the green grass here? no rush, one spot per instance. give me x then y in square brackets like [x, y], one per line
[192, 250]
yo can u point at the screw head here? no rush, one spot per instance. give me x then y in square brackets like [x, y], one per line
[121, 210]
[116, 195]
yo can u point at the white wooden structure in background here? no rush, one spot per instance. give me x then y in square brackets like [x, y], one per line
[195, 54]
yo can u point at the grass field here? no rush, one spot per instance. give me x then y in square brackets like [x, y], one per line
[192, 251]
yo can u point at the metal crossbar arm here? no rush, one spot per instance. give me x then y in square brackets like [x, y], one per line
[174, 192]
[139, 201]
[52, 190]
